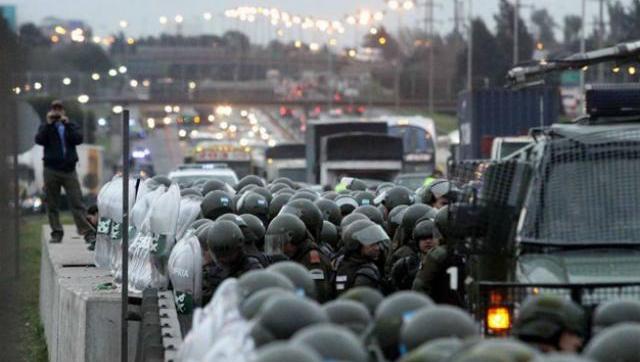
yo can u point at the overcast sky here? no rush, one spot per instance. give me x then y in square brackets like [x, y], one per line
[143, 15]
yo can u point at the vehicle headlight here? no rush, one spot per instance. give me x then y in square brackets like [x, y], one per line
[37, 202]
[182, 133]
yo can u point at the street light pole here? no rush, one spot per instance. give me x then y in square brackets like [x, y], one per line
[429, 26]
[470, 47]
[583, 43]
[516, 10]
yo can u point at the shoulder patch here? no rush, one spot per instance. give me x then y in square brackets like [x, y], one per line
[314, 257]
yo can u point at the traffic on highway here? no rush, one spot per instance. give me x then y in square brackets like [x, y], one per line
[260, 184]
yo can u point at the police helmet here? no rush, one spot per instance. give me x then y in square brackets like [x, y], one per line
[298, 275]
[308, 213]
[333, 343]
[216, 203]
[441, 321]
[349, 314]
[285, 228]
[371, 212]
[330, 210]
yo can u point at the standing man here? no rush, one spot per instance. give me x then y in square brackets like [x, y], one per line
[59, 137]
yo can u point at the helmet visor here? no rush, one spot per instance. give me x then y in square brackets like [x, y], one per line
[346, 201]
[371, 235]
[274, 244]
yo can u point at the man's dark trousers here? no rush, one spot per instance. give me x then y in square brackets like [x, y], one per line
[53, 182]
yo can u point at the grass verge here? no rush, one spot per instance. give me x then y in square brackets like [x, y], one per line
[33, 347]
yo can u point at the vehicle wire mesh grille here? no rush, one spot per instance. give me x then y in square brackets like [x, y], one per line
[511, 295]
[586, 190]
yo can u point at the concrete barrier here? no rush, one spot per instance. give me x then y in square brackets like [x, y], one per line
[81, 322]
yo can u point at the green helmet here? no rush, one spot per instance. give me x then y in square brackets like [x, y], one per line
[620, 343]
[251, 306]
[234, 219]
[412, 215]
[256, 280]
[613, 312]
[276, 205]
[285, 228]
[444, 225]
[250, 180]
[277, 187]
[286, 352]
[330, 211]
[216, 203]
[496, 350]
[396, 196]
[190, 192]
[201, 233]
[437, 350]
[390, 316]
[305, 195]
[357, 185]
[424, 229]
[224, 238]
[298, 275]
[441, 321]
[332, 342]
[213, 185]
[329, 234]
[282, 316]
[308, 213]
[394, 219]
[286, 181]
[346, 203]
[364, 198]
[349, 314]
[369, 297]
[363, 233]
[371, 212]
[197, 223]
[329, 195]
[562, 357]
[255, 229]
[542, 317]
[255, 204]
[350, 219]
[162, 180]
[384, 187]
[264, 192]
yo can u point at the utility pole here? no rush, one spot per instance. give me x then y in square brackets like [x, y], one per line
[583, 35]
[429, 7]
[601, 39]
[516, 16]
[470, 47]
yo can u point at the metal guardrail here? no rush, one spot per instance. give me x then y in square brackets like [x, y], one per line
[169, 325]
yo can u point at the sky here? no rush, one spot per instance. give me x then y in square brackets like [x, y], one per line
[142, 16]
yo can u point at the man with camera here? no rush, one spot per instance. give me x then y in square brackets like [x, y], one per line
[59, 137]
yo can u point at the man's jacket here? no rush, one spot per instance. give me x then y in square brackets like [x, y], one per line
[54, 157]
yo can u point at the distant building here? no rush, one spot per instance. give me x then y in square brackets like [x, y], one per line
[8, 12]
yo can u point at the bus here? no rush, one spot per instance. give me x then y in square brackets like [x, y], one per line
[419, 141]
[287, 160]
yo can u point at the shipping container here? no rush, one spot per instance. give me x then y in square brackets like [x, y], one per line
[316, 130]
[489, 113]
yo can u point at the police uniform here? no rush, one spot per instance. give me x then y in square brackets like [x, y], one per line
[214, 274]
[319, 266]
[433, 276]
[356, 271]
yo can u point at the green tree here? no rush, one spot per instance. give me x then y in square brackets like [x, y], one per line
[571, 33]
[385, 42]
[505, 38]
[485, 51]
[87, 57]
[544, 28]
[32, 37]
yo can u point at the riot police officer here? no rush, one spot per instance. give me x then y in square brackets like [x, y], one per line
[433, 277]
[551, 323]
[225, 245]
[288, 235]
[357, 267]
[404, 270]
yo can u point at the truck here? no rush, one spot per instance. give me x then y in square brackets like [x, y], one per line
[563, 219]
[364, 155]
[286, 160]
[318, 129]
[485, 114]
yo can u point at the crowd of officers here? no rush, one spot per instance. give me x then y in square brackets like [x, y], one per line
[364, 275]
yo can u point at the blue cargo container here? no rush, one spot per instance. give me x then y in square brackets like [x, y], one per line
[491, 113]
